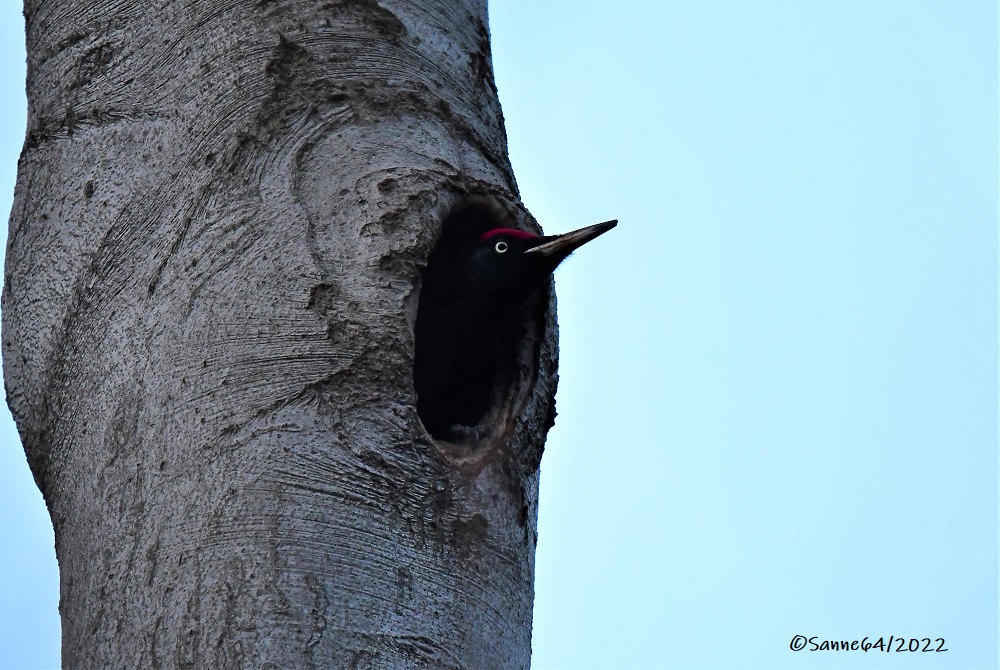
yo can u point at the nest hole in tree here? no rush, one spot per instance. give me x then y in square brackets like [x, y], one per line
[473, 368]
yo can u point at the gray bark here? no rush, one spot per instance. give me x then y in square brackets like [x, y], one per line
[221, 215]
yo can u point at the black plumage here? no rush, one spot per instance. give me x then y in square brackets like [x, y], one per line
[474, 286]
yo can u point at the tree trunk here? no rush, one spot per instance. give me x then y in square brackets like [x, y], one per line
[221, 216]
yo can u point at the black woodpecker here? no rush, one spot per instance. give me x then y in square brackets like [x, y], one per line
[474, 287]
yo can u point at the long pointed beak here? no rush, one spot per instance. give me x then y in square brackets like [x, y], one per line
[563, 245]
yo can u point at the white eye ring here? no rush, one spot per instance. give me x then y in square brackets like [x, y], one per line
[501, 247]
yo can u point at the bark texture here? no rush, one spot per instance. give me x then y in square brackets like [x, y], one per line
[221, 215]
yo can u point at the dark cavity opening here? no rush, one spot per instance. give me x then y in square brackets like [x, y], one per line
[475, 359]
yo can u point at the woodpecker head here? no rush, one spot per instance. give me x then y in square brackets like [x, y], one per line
[502, 267]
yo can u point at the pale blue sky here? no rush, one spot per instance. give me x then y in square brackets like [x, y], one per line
[778, 393]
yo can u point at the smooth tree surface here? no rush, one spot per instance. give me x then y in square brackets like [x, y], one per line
[215, 249]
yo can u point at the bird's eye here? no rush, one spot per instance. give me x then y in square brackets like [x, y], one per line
[501, 247]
